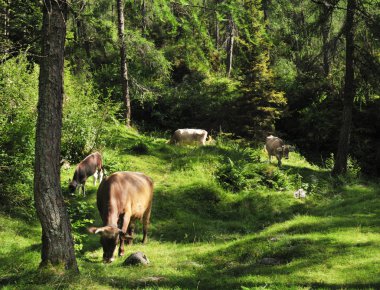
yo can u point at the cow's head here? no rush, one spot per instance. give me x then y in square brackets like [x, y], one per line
[109, 237]
[284, 151]
[72, 186]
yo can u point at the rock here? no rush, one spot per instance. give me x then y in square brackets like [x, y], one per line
[151, 279]
[269, 261]
[300, 193]
[191, 264]
[65, 164]
[136, 259]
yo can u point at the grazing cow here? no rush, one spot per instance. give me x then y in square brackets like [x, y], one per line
[122, 198]
[189, 136]
[276, 147]
[91, 165]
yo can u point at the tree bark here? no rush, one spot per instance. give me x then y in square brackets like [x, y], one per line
[230, 45]
[340, 166]
[57, 242]
[143, 18]
[325, 29]
[123, 64]
[7, 5]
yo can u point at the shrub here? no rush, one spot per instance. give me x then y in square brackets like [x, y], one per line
[84, 118]
[80, 213]
[139, 148]
[230, 176]
[18, 101]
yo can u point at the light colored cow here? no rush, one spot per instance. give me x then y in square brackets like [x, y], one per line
[189, 136]
[276, 147]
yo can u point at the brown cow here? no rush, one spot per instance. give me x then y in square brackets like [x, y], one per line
[122, 198]
[276, 147]
[91, 165]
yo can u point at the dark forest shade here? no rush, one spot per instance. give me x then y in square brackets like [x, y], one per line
[340, 165]
[57, 242]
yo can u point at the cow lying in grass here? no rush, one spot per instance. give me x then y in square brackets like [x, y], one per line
[189, 137]
[92, 165]
[122, 198]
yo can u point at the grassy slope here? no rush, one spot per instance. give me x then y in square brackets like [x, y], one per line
[202, 236]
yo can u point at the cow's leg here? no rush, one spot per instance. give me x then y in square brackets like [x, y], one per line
[146, 219]
[95, 176]
[84, 189]
[130, 232]
[101, 175]
[124, 227]
[279, 161]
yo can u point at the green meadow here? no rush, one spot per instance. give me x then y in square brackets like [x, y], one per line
[222, 218]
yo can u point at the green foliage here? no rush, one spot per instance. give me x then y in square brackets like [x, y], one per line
[18, 100]
[81, 217]
[84, 117]
[231, 177]
[247, 172]
[139, 148]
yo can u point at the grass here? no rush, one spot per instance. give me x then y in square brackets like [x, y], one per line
[204, 236]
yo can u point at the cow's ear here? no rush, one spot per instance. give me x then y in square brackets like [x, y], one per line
[292, 148]
[92, 230]
[279, 149]
[107, 231]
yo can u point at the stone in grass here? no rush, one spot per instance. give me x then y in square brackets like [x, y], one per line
[137, 258]
[269, 261]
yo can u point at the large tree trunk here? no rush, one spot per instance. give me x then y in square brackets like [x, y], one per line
[123, 64]
[340, 165]
[57, 242]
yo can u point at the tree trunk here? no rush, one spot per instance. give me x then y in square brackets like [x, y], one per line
[143, 18]
[230, 45]
[326, 15]
[265, 7]
[123, 64]
[57, 242]
[340, 166]
[6, 17]
[216, 31]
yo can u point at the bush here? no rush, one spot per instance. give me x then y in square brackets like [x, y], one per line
[80, 213]
[84, 118]
[139, 148]
[231, 177]
[18, 101]
[249, 173]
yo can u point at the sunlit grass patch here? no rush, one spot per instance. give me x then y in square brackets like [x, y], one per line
[204, 235]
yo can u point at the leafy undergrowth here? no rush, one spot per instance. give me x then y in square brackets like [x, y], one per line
[209, 231]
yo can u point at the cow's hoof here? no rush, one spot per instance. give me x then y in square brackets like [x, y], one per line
[121, 254]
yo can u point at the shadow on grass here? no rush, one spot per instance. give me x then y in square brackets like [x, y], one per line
[239, 264]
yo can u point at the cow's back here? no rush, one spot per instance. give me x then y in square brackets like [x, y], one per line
[88, 166]
[125, 191]
[272, 143]
[189, 136]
